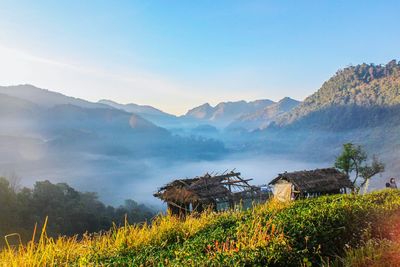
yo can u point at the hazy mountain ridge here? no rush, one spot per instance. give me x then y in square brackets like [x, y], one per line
[135, 108]
[75, 125]
[46, 98]
[225, 113]
[147, 112]
[262, 118]
[360, 104]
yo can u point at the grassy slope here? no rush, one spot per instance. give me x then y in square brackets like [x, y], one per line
[300, 233]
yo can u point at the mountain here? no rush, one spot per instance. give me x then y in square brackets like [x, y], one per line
[47, 134]
[263, 117]
[365, 95]
[46, 98]
[70, 125]
[18, 116]
[150, 113]
[225, 112]
[359, 104]
[203, 112]
[13, 106]
[51, 111]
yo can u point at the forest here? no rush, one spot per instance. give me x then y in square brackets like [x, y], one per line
[69, 211]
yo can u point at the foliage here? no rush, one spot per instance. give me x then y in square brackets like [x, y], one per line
[374, 253]
[367, 172]
[304, 232]
[358, 96]
[351, 159]
[70, 212]
[354, 159]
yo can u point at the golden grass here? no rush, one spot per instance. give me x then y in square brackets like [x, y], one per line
[65, 251]
[62, 251]
[257, 235]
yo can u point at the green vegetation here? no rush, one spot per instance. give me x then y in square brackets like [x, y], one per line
[301, 233]
[70, 212]
[354, 159]
[374, 252]
[358, 96]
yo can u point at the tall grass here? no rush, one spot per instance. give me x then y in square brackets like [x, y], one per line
[299, 233]
[374, 253]
[67, 250]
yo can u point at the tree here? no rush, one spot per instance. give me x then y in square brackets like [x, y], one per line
[70, 212]
[354, 160]
[351, 159]
[367, 172]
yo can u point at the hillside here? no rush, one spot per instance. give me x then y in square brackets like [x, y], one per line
[365, 95]
[18, 115]
[46, 98]
[92, 146]
[359, 104]
[303, 233]
[74, 125]
[150, 113]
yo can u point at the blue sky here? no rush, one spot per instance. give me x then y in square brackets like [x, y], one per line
[178, 54]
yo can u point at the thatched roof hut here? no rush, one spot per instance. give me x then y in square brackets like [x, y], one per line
[310, 183]
[185, 195]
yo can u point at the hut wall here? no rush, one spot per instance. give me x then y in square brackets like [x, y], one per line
[283, 191]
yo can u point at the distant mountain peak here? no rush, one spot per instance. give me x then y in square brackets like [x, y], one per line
[287, 99]
[201, 112]
[147, 112]
[44, 97]
[205, 105]
[263, 117]
[224, 113]
[134, 108]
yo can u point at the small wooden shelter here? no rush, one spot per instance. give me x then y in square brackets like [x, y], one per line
[209, 191]
[302, 184]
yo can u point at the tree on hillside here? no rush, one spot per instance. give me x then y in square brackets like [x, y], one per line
[354, 161]
[69, 211]
[368, 171]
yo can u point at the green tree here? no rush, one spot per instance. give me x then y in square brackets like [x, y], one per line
[354, 161]
[368, 171]
[69, 211]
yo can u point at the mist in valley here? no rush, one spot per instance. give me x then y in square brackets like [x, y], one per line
[116, 179]
[122, 155]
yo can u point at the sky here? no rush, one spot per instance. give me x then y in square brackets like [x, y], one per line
[175, 55]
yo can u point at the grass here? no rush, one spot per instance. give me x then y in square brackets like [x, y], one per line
[374, 253]
[301, 233]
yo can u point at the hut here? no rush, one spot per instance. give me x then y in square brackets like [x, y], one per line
[303, 184]
[209, 191]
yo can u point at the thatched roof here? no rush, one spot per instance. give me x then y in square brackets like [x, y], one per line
[319, 180]
[177, 191]
[203, 188]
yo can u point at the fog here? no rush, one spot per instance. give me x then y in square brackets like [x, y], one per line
[100, 150]
[116, 179]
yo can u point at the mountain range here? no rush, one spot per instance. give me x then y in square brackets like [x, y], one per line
[44, 130]
[239, 114]
[359, 104]
[226, 112]
[261, 118]
[61, 123]
[364, 96]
